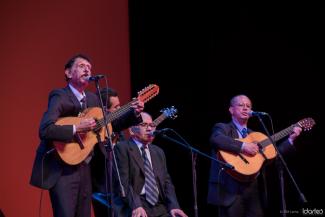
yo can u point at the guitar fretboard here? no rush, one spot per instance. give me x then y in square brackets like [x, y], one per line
[114, 115]
[144, 95]
[160, 119]
[277, 136]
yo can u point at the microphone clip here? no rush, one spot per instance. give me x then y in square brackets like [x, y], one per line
[254, 113]
[95, 77]
[158, 132]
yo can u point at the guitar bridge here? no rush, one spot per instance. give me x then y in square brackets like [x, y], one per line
[244, 159]
[79, 141]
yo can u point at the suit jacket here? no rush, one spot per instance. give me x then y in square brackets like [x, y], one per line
[131, 169]
[99, 178]
[48, 165]
[223, 189]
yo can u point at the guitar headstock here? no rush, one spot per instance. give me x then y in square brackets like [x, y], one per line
[306, 123]
[170, 112]
[148, 93]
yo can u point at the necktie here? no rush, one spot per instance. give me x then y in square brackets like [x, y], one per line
[150, 181]
[83, 103]
[83, 107]
[244, 132]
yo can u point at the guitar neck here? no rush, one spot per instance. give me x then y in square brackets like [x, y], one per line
[144, 95]
[276, 137]
[118, 113]
[160, 119]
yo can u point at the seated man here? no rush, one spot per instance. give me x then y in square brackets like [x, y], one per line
[146, 183]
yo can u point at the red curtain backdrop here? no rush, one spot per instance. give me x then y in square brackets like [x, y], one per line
[36, 40]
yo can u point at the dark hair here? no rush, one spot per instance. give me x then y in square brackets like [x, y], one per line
[71, 61]
[106, 93]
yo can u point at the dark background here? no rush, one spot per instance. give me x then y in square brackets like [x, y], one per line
[202, 54]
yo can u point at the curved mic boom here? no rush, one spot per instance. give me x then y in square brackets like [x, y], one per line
[95, 77]
[252, 113]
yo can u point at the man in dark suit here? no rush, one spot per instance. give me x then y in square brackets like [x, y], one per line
[236, 198]
[69, 185]
[134, 158]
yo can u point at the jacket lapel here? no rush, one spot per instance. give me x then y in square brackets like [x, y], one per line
[233, 130]
[154, 159]
[73, 98]
[136, 154]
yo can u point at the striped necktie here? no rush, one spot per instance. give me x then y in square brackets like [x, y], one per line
[244, 132]
[150, 181]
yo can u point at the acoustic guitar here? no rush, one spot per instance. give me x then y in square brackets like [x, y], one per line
[78, 150]
[248, 167]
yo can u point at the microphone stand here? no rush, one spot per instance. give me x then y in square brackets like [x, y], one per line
[194, 153]
[281, 164]
[193, 158]
[109, 153]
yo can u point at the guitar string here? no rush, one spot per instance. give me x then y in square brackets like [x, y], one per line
[162, 117]
[119, 112]
[113, 115]
[278, 135]
[159, 119]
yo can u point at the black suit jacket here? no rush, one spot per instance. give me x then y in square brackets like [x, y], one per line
[131, 169]
[223, 189]
[48, 166]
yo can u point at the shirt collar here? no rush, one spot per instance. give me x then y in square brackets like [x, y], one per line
[77, 93]
[138, 143]
[238, 126]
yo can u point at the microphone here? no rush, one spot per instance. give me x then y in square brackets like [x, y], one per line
[157, 132]
[252, 113]
[94, 78]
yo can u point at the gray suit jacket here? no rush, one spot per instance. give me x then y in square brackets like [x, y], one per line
[131, 169]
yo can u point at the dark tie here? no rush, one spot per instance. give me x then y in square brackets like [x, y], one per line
[83, 103]
[244, 132]
[150, 181]
[83, 107]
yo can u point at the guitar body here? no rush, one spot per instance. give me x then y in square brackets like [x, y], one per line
[248, 169]
[78, 150]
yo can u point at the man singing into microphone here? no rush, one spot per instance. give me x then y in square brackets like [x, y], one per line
[235, 198]
[69, 185]
[149, 191]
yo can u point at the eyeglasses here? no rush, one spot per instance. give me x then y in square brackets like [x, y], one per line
[243, 105]
[146, 125]
[83, 66]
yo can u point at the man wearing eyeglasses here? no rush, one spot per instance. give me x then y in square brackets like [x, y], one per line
[149, 191]
[70, 186]
[236, 198]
